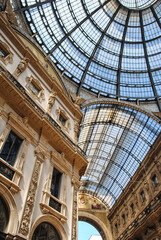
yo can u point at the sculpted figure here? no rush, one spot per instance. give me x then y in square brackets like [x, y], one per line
[51, 101]
[21, 67]
[77, 99]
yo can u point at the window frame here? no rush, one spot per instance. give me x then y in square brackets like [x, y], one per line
[12, 162]
[9, 56]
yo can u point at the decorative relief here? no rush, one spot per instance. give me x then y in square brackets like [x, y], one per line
[6, 55]
[78, 101]
[51, 101]
[4, 135]
[75, 215]
[35, 88]
[158, 164]
[21, 67]
[24, 227]
[63, 119]
[10, 13]
[76, 129]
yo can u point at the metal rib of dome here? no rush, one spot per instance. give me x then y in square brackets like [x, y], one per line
[116, 139]
[101, 45]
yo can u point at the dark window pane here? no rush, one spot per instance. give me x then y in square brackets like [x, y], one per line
[4, 215]
[62, 119]
[3, 53]
[11, 148]
[155, 180]
[55, 183]
[45, 231]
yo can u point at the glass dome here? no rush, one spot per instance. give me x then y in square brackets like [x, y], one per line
[101, 45]
[137, 4]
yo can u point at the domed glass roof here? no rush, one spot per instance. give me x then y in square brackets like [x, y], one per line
[137, 4]
[115, 138]
[109, 47]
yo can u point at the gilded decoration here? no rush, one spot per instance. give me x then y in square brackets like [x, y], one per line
[6, 55]
[35, 88]
[21, 67]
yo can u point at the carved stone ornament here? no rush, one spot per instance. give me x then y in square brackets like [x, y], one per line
[51, 101]
[10, 13]
[21, 67]
[76, 129]
[67, 126]
[24, 226]
[158, 164]
[7, 56]
[39, 93]
[75, 215]
[77, 99]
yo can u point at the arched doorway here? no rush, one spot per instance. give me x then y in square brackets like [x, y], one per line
[4, 215]
[87, 231]
[94, 224]
[45, 231]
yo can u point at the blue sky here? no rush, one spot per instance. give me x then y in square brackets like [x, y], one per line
[85, 230]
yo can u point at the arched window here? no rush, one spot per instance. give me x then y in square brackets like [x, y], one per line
[45, 231]
[4, 215]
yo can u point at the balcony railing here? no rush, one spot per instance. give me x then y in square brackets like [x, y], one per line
[6, 171]
[152, 206]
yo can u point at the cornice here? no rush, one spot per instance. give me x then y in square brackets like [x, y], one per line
[52, 82]
[39, 120]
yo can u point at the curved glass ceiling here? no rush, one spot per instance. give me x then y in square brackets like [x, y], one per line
[101, 45]
[137, 4]
[116, 139]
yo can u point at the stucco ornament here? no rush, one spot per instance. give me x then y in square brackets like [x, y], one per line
[77, 99]
[23, 64]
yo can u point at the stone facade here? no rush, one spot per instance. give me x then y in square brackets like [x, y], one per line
[31, 94]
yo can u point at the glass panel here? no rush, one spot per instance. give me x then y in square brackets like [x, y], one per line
[116, 139]
[3, 53]
[55, 183]
[11, 148]
[34, 88]
[101, 45]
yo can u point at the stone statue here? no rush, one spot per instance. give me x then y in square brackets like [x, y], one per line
[21, 67]
[77, 99]
[51, 101]
[10, 13]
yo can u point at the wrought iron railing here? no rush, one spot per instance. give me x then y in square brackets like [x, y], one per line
[6, 171]
[39, 110]
[54, 204]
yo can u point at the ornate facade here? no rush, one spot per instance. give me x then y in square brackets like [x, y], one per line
[41, 163]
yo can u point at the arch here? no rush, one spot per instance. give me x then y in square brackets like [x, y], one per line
[46, 231]
[13, 213]
[93, 101]
[97, 223]
[53, 221]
